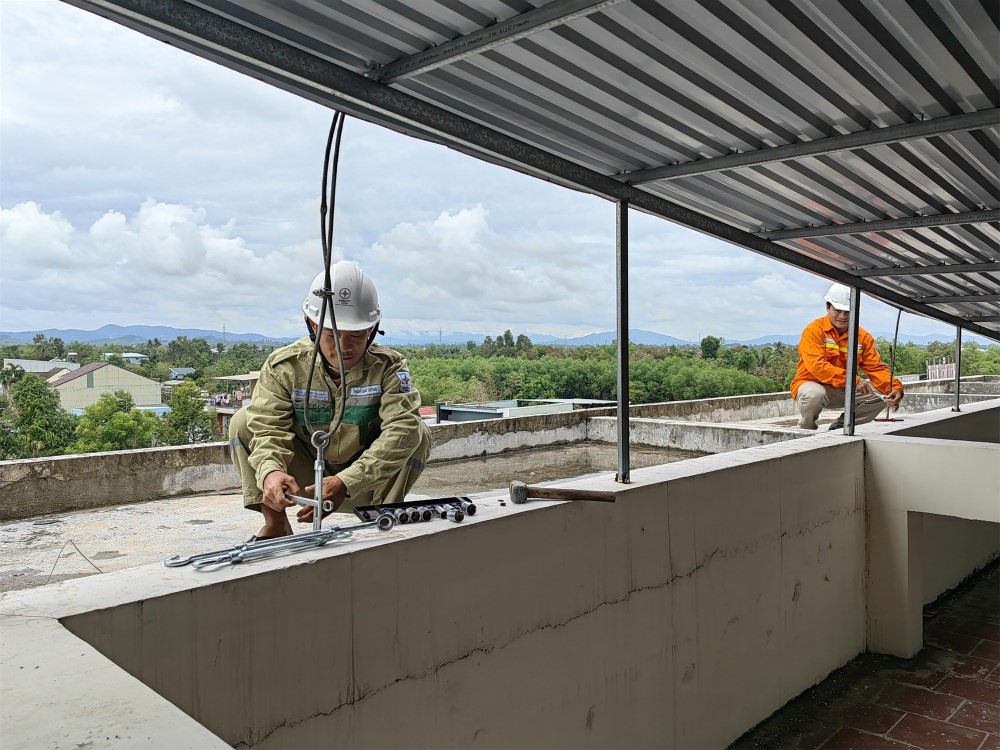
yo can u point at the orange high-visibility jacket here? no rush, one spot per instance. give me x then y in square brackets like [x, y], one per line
[823, 358]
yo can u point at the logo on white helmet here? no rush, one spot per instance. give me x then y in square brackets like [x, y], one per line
[345, 296]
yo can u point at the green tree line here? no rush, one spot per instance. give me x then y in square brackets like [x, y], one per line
[33, 423]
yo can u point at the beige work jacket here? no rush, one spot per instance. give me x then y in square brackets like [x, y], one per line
[380, 431]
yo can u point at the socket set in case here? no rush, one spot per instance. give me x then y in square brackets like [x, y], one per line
[453, 509]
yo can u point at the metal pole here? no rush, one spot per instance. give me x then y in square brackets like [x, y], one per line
[852, 360]
[958, 369]
[621, 260]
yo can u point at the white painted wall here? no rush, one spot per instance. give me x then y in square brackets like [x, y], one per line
[76, 394]
[953, 548]
[908, 478]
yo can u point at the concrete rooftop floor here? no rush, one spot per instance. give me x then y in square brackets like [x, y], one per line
[62, 546]
[947, 696]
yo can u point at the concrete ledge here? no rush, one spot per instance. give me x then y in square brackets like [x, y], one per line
[87, 701]
[706, 437]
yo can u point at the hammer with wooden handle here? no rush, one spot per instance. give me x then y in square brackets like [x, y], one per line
[520, 492]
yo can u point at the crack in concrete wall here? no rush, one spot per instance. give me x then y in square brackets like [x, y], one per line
[259, 736]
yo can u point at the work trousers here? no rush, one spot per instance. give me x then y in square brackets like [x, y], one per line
[812, 398]
[303, 468]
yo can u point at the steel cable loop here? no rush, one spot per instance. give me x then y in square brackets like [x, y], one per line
[294, 544]
[256, 550]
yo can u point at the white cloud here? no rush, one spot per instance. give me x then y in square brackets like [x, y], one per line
[30, 235]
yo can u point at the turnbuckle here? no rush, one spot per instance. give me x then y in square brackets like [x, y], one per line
[255, 550]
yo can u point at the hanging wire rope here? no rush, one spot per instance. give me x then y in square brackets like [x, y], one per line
[326, 216]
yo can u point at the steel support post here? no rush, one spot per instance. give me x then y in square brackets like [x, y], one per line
[852, 360]
[621, 275]
[958, 369]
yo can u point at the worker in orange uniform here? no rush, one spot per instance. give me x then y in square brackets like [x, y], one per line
[821, 376]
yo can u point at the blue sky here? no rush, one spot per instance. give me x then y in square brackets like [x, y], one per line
[142, 185]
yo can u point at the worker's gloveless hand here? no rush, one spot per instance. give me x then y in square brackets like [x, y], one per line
[334, 490]
[275, 485]
[865, 388]
[894, 397]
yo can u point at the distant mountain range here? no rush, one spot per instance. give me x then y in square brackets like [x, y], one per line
[129, 335]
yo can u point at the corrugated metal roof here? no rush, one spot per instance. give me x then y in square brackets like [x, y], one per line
[79, 373]
[857, 139]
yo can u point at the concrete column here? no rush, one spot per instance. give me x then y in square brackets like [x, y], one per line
[895, 581]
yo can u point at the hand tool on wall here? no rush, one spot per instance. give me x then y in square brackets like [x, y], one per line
[521, 492]
[326, 505]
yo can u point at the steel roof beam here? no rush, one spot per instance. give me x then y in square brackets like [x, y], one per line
[196, 30]
[983, 319]
[960, 299]
[886, 225]
[552, 14]
[821, 146]
[929, 271]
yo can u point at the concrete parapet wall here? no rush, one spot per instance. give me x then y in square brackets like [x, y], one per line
[733, 581]
[973, 384]
[35, 487]
[469, 439]
[723, 409]
[917, 403]
[981, 423]
[693, 436]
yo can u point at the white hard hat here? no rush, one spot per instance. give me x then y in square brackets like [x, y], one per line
[839, 296]
[354, 299]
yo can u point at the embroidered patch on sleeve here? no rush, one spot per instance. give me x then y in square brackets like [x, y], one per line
[405, 383]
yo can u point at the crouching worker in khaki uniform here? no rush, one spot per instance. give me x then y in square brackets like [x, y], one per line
[382, 444]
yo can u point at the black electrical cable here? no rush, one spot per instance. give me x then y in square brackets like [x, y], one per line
[326, 214]
[892, 359]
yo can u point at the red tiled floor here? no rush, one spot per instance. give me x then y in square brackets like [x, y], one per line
[987, 650]
[986, 630]
[875, 719]
[970, 666]
[972, 689]
[924, 678]
[919, 701]
[978, 716]
[852, 739]
[949, 691]
[931, 734]
[963, 644]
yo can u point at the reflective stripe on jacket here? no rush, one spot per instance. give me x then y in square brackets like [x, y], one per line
[823, 358]
[381, 429]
